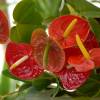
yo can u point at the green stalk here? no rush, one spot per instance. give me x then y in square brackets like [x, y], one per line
[45, 56]
[4, 83]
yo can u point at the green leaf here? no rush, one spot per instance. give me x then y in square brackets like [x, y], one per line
[91, 87]
[25, 13]
[25, 86]
[65, 10]
[14, 35]
[71, 10]
[85, 8]
[33, 94]
[22, 32]
[48, 8]
[43, 81]
[5, 83]
[95, 26]
[7, 74]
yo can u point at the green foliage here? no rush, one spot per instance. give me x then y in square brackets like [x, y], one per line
[43, 81]
[22, 32]
[25, 13]
[65, 10]
[48, 8]
[91, 87]
[33, 94]
[95, 27]
[85, 8]
[4, 83]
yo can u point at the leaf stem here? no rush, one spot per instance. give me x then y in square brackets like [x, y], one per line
[56, 90]
[9, 94]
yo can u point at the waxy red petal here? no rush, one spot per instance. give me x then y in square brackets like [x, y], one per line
[38, 41]
[95, 56]
[4, 28]
[73, 51]
[80, 63]
[91, 42]
[58, 26]
[56, 56]
[71, 79]
[27, 70]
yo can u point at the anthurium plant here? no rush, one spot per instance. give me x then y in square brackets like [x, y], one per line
[53, 50]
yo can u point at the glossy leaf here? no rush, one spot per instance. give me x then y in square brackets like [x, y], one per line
[65, 10]
[95, 26]
[25, 86]
[14, 35]
[43, 81]
[85, 8]
[25, 13]
[91, 87]
[48, 8]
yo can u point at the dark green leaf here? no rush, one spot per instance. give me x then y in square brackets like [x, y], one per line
[91, 87]
[43, 81]
[25, 86]
[14, 35]
[85, 8]
[95, 26]
[48, 8]
[25, 13]
[33, 94]
[65, 10]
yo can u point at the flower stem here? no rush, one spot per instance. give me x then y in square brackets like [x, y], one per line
[45, 56]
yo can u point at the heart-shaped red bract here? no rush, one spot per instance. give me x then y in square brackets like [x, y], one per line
[27, 70]
[95, 56]
[59, 25]
[38, 42]
[56, 56]
[91, 42]
[80, 63]
[71, 79]
[69, 76]
[4, 29]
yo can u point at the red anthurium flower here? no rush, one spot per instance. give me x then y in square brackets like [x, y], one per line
[47, 52]
[64, 29]
[21, 62]
[91, 41]
[4, 29]
[77, 72]
[87, 61]
[80, 63]
[71, 79]
[95, 56]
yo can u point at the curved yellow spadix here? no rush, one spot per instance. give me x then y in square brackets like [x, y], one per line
[18, 62]
[70, 27]
[82, 47]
